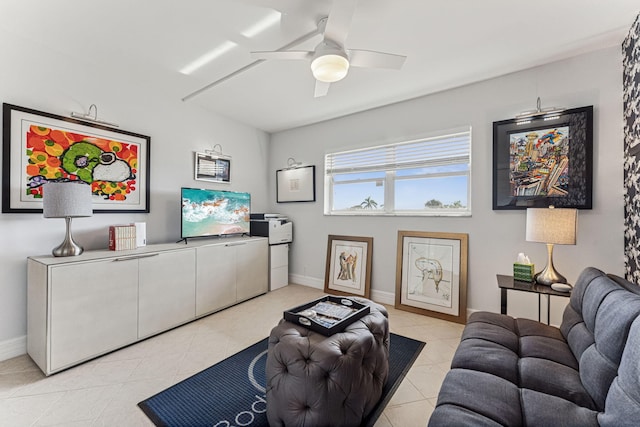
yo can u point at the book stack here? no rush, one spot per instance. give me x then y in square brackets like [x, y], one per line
[122, 237]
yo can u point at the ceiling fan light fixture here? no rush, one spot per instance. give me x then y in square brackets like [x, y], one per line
[330, 67]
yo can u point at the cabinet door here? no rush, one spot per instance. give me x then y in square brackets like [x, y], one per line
[252, 269]
[93, 309]
[167, 291]
[215, 278]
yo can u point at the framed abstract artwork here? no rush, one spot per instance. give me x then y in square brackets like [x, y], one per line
[41, 147]
[348, 268]
[431, 274]
[213, 168]
[296, 184]
[545, 160]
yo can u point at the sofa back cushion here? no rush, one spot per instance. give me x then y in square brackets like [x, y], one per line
[622, 407]
[596, 325]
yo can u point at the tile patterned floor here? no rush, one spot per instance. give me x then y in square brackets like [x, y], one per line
[105, 391]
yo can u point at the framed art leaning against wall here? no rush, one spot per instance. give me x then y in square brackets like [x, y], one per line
[348, 268]
[431, 274]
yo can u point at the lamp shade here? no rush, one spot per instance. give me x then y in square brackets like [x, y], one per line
[550, 225]
[66, 199]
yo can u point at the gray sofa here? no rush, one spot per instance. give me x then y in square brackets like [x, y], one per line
[518, 372]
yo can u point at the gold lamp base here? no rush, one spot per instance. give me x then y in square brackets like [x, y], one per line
[549, 275]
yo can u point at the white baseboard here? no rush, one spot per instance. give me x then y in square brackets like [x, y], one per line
[383, 297]
[13, 348]
[312, 282]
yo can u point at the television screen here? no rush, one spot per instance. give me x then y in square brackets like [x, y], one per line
[214, 212]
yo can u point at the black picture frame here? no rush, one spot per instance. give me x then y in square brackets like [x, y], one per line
[543, 161]
[32, 154]
[296, 184]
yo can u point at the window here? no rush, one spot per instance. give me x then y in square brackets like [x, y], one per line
[426, 176]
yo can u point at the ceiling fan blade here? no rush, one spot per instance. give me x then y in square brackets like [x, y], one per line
[322, 88]
[286, 54]
[373, 59]
[339, 20]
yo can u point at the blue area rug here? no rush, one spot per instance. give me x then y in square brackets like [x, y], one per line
[232, 392]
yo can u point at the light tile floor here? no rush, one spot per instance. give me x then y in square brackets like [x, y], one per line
[105, 391]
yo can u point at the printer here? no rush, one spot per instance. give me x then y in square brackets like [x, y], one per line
[280, 233]
[274, 226]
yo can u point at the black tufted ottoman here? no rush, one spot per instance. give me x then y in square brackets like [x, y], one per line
[313, 380]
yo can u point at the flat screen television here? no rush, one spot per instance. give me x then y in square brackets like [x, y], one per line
[214, 212]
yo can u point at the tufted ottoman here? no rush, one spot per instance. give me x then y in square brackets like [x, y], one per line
[314, 380]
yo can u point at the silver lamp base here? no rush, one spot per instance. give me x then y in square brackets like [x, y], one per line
[549, 275]
[68, 247]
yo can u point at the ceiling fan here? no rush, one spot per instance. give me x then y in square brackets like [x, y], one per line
[330, 60]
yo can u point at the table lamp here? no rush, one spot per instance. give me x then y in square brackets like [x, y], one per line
[551, 226]
[67, 200]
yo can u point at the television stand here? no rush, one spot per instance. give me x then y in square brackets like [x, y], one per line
[154, 288]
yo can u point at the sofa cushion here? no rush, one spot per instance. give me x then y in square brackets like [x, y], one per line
[542, 410]
[622, 406]
[486, 356]
[608, 308]
[491, 397]
[555, 379]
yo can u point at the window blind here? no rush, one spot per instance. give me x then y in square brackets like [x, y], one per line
[427, 152]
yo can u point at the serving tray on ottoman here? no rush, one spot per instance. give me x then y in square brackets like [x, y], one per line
[327, 315]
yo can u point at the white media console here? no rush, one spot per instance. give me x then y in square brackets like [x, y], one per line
[84, 306]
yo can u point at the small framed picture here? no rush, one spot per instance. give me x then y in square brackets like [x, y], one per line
[213, 168]
[431, 274]
[296, 184]
[348, 268]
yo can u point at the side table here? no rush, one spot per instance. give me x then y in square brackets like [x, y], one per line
[508, 283]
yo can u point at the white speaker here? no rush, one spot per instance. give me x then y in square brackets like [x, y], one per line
[141, 234]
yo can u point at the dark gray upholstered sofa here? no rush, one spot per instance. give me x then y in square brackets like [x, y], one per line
[518, 372]
[317, 381]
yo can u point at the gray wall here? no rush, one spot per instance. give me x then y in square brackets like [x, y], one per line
[41, 79]
[495, 237]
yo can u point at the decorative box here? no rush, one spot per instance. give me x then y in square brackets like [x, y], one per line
[327, 315]
[523, 272]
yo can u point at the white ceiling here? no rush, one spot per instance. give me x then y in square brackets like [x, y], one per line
[448, 43]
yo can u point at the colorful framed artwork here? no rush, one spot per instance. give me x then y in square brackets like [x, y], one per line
[543, 161]
[348, 268]
[41, 147]
[213, 168]
[296, 184]
[431, 274]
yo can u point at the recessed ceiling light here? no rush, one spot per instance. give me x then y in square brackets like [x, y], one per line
[265, 23]
[219, 50]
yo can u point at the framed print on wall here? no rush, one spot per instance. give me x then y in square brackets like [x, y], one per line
[296, 184]
[431, 274]
[41, 147]
[543, 161]
[213, 168]
[348, 268]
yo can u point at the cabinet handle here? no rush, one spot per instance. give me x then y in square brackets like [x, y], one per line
[236, 244]
[135, 257]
